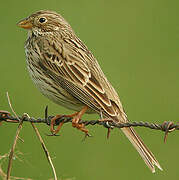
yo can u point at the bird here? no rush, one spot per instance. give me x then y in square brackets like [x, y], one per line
[65, 71]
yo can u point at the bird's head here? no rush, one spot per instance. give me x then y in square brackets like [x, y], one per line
[43, 22]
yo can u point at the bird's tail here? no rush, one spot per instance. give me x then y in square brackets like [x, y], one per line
[145, 153]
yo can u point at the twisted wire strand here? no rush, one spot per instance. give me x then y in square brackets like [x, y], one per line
[166, 126]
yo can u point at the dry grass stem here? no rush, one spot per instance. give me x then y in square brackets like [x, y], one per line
[10, 105]
[12, 150]
[45, 150]
[11, 154]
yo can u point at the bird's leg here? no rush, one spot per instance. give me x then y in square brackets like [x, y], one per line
[76, 119]
[52, 129]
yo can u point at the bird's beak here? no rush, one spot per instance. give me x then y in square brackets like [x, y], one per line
[25, 23]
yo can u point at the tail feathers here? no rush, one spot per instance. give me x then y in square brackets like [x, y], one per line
[145, 153]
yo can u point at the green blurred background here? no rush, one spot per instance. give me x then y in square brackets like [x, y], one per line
[137, 45]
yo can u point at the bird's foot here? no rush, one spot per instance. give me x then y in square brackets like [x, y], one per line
[76, 117]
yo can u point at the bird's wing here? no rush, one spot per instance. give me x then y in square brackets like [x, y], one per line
[72, 66]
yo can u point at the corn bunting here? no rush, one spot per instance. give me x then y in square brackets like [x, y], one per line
[65, 71]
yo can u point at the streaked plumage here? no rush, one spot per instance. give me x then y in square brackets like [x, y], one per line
[66, 72]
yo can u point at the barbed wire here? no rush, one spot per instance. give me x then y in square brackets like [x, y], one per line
[166, 126]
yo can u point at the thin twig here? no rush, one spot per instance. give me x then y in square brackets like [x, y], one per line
[45, 150]
[10, 105]
[12, 150]
[15, 140]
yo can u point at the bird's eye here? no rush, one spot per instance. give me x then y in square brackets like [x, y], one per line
[42, 20]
